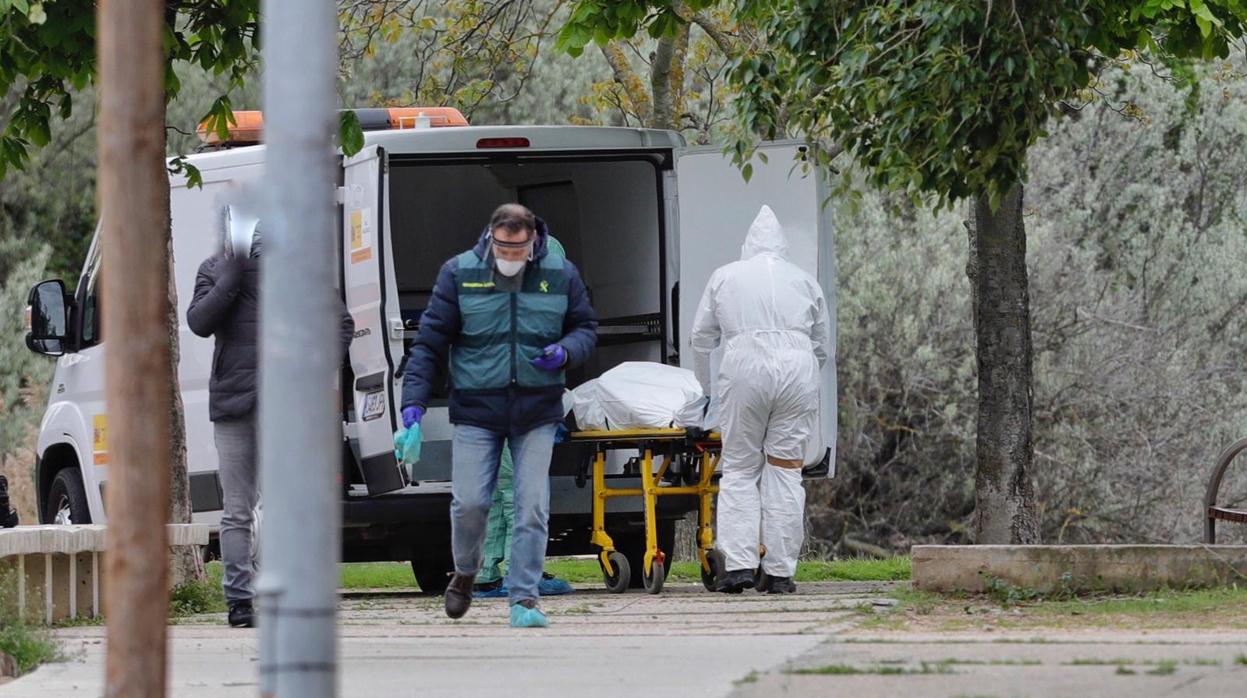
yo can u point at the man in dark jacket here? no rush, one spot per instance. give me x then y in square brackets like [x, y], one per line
[509, 318]
[226, 306]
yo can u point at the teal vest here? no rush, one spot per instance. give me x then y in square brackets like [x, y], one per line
[502, 331]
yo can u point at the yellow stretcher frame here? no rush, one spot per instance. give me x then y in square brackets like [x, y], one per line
[647, 441]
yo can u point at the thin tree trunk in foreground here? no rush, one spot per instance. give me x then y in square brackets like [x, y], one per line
[133, 201]
[186, 562]
[1005, 509]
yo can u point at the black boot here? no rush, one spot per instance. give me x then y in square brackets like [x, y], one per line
[8, 517]
[459, 594]
[735, 581]
[241, 614]
[781, 585]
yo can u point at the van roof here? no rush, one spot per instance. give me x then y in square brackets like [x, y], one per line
[465, 139]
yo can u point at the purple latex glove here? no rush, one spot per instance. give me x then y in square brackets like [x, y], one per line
[412, 415]
[552, 358]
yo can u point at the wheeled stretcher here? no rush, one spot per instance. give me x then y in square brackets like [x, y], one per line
[691, 455]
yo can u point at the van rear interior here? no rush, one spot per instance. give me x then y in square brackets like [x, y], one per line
[607, 215]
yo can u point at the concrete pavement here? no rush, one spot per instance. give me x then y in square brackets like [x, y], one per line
[685, 642]
[1086, 664]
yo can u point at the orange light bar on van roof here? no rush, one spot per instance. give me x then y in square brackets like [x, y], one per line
[409, 117]
[248, 126]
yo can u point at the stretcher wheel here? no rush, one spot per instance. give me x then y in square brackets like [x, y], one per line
[711, 579]
[617, 583]
[654, 581]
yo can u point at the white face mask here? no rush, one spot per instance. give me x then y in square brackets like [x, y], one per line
[508, 268]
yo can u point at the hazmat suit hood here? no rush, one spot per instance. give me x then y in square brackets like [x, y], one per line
[766, 236]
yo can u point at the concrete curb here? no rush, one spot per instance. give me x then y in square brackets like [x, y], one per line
[1077, 568]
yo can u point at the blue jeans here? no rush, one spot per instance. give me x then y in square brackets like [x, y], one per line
[475, 460]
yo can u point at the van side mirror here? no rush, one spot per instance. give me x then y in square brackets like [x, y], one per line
[47, 319]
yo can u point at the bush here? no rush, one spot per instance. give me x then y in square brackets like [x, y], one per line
[28, 645]
[1139, 321]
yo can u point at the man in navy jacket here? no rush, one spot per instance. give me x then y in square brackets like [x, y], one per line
[509, 318]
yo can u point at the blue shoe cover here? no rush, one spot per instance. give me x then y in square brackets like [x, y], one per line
[524, 617]
[553, 586]
[498, 592]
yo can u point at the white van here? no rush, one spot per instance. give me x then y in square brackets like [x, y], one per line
[645, 218]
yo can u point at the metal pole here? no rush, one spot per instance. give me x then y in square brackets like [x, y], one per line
[134, 198]
[299, 354]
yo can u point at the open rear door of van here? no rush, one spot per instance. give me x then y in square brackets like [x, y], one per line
[716, 206]
[372, 298]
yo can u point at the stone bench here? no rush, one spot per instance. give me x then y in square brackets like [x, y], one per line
[62, 565]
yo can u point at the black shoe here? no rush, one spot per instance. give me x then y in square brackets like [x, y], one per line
[780, 585]
[735, 581]
[459, 595]
[487, 586]
[241, 615]
[8, 517]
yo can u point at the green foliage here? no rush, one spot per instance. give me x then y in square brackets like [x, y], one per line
[1135, 249]
[603, 20]
[939, 97]
[47, 55]
[946, 96]
[191, 598]
[28, 645]
[350, 132]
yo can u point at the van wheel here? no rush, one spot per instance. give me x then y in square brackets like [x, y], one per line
[432, 571]
[67, 499]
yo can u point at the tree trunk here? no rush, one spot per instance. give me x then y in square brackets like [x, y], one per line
[187, 563]
[133, 200]
[663, 71]
[1004, 494]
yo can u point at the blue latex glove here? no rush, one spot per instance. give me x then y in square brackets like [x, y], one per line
[407, 444]
[552, 358]
[561, 433]
[412, 415]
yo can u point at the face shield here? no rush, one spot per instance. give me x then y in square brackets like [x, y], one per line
[241, 233]
[511, 257]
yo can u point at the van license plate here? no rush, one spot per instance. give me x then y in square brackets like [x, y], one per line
[374, 405]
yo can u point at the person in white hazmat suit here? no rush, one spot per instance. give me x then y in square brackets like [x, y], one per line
[770, 317]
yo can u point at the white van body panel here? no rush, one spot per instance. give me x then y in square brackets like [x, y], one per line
[372, 299]
[716, 208]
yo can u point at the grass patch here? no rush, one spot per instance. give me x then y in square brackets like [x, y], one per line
[1164, 669]
[585, 571]
[397, 575]
[1141, 662]
[1014, 609]
[751, 677]
[193, 598]
[876, 670]
[992, 662]
[27, 644]
[1241, 659]
[377, 575]
[1125, 671]
[893, 569]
